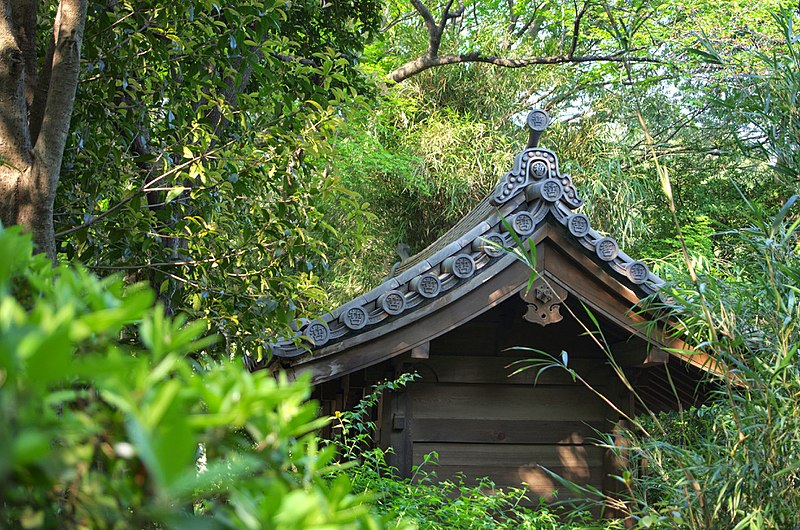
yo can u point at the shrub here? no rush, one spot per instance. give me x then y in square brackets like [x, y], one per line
[735, 463]
[101, 431]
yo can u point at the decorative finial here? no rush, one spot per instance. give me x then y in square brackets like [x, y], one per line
[538, 120]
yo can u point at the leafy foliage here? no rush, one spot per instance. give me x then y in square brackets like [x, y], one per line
[198, 159]
[437, 142]
[734, 463]
[228, 155]
[762, 99]
[418, 173]
[101, 432]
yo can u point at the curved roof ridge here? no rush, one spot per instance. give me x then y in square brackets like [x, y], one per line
[483, 209]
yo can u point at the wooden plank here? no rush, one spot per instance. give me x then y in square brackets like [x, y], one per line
[406, 447]
[473, 338]
[581, 276]
[398, 440]
[575, 457]
[506, 431]
[511, 466]
[491, 369]
[539, 483]
[514, 402]
[423, 351]
[564, 256]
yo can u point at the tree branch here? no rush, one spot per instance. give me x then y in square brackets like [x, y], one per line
[292, 59]
[24, 13]
[421, 64]
[427, 18]
[392, 23]
[512, 18]
[431, 58]
[533, 18]
[67, 36]
[576, 27]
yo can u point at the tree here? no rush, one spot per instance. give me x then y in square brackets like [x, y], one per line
[36, 106]
[197, 154]
[440, 139]
[529, 34]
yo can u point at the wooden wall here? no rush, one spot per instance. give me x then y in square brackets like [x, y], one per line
[483, 422]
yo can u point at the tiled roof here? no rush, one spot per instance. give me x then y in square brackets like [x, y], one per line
[533, 192]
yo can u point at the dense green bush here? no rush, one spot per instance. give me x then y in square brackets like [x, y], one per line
[736, 462]
[100, 431]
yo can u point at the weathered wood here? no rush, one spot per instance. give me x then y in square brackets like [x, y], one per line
[513, 465]
[575, 457]
[513, 402]
[552, 432]
[513, 476]
[477, 337]
[398, 421]
[569, 265]
[399, 439]
[491, 369]
[422, 351]
[636, 352]
[541, 486]
[615, 462]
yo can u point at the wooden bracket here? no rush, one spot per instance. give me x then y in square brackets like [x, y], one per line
[423, 351]
[398, 422]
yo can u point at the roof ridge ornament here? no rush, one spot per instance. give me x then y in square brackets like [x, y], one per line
[537, 122]
[536, 171]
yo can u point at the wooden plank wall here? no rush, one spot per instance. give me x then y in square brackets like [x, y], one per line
[482, 422]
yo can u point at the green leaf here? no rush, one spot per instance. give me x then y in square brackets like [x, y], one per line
[173, 193]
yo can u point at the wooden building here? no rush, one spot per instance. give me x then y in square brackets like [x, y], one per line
[458, 312]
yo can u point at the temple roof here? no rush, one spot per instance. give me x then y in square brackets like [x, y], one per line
[533, 194]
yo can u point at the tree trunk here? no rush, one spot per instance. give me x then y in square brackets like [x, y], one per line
[34, 122]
